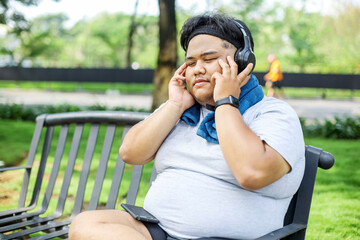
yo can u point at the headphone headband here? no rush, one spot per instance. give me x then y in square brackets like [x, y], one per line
[245, 55]
[247, 42]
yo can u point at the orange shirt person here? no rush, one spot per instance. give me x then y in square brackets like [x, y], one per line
[274, 77]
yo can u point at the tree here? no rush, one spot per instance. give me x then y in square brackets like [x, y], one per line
[343, 38]
[133, 26]
[167, 56]
[14, 18]
[304, 36]
[18, 28]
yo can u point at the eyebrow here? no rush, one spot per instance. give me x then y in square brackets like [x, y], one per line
[202, 55]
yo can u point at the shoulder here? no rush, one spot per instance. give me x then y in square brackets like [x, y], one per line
[269, 106]
[277, 123]
[272, 114]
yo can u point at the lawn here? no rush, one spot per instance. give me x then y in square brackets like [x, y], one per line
[79, 86]
[335, 211]
[14, 146]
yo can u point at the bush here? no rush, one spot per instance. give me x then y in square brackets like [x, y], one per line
[339, 128]
[27, 113]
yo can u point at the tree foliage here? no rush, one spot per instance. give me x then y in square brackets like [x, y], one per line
[303, 41]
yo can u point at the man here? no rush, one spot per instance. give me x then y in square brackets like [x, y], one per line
[274, 77]
[229, 172]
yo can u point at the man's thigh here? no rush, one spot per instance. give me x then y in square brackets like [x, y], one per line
[111, 217]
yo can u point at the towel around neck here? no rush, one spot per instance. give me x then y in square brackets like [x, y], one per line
[251, 93]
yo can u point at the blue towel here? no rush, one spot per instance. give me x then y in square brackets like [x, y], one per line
[251, 93]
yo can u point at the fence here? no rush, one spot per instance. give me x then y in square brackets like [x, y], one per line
[340, 81]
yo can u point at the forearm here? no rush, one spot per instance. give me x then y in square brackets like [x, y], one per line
[252, 161]
[144, 139]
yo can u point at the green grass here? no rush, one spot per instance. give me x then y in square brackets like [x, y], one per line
[335, 210]
[15, 138]
[328, 93]
[79, 86]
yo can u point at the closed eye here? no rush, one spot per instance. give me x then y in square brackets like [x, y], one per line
[210, 59]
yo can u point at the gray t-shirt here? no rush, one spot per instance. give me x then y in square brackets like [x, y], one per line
[196, 195]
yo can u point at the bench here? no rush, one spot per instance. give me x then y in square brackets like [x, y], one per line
[73, 165]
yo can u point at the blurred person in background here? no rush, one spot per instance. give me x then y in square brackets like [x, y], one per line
[273, 79]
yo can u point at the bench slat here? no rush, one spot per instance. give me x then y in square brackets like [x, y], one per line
[100, 175]
[117, 177]
[89, 152]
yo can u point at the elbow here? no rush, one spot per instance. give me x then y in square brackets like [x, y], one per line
[251, 180]
[131, 155]
[125, 154]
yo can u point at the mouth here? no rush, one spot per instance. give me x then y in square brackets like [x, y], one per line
[200, 81]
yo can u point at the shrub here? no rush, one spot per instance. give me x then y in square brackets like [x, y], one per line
[29, 113]
[338, 128]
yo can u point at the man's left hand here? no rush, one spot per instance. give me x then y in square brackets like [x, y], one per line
[229, 82]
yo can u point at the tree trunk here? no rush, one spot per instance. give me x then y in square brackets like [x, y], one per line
[167, 56]
[133, 26]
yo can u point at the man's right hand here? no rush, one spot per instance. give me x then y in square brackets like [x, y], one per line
[178, 94]
[144, 139]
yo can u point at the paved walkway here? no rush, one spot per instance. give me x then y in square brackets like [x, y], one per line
[307, 108]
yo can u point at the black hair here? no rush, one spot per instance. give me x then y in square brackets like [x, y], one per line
[220, 23]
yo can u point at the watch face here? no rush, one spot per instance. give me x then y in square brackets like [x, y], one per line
[234, 100]
[228, 100]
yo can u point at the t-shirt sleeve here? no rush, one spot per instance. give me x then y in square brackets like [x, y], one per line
[279, 126]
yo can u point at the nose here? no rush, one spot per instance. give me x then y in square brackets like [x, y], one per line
[199, 67]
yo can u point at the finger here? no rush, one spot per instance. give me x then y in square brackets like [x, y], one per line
[233, 66]
[181, 69]
[215, 76]
[245, 81]
[246, 71]
[244, 75]
[225, 67]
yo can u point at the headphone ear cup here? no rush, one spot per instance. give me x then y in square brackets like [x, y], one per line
[243, 58]
[237, 58]
[249, 58]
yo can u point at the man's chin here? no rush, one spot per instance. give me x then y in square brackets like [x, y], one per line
[202, 100]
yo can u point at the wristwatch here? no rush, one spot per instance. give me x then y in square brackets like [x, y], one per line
[233, 101]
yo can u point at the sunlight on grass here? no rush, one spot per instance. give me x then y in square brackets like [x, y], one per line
[79, 86]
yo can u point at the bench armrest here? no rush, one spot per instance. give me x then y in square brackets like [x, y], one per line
[277, 234]
[12, 168]
[283, 232]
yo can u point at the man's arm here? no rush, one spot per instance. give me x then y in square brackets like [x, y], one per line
[253, 163]
[144, 139]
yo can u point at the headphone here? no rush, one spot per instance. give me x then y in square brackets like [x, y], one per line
[244, 56]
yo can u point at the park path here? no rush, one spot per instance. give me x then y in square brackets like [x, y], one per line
[307, 108]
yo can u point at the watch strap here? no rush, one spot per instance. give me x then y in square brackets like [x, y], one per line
[231, 100]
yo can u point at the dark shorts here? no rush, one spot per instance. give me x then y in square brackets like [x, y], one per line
[156, 232]
[277, 84]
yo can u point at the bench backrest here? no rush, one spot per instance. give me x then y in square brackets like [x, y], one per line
[71, 149]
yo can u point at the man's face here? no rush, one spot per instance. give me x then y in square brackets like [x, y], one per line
[202, 56]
